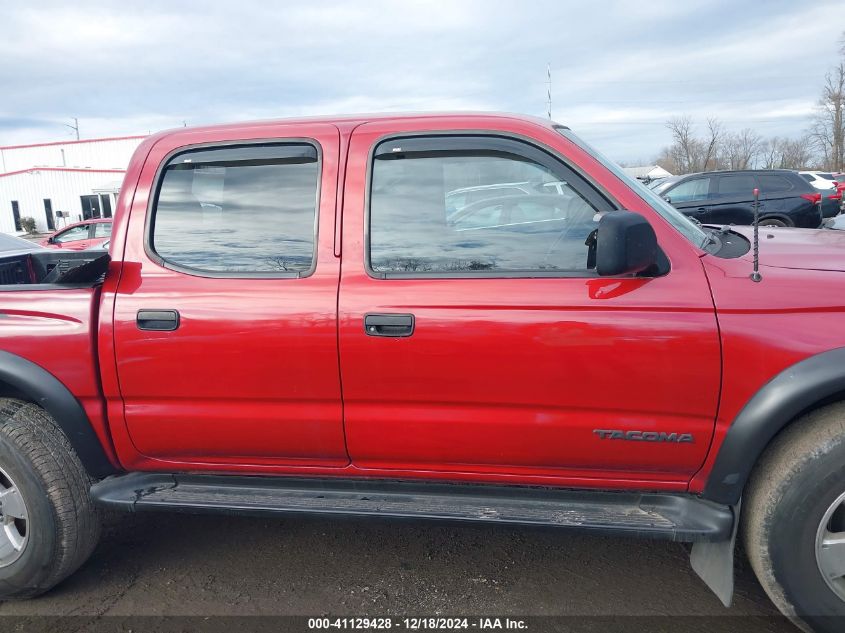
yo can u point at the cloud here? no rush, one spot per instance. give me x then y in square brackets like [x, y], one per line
[619, 68]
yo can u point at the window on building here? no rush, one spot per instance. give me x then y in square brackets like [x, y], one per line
[236, 210]
[423, 218]
[16, 215]
[48, 214]
[105, 204]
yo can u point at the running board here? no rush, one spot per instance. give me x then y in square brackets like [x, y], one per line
[677, 517]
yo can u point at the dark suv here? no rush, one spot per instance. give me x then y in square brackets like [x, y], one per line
[726, 197]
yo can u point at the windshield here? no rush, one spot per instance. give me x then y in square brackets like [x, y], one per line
[684, 225]
[664, 185]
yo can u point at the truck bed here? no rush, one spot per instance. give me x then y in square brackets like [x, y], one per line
[52, 267]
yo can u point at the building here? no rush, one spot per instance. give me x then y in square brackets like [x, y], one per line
[646, 172]
[60, 183]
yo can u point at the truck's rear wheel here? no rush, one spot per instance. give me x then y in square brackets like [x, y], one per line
[794, 520]
[48, 525]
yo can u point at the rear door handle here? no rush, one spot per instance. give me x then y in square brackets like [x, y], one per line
[157, 320]
[396, 325]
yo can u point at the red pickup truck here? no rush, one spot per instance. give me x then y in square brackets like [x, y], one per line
[292, 319]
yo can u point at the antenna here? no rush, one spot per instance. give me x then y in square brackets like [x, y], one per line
[756, 276]
[549, 89]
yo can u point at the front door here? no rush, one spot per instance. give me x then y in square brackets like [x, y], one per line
[477, 341]
[90, 207]
[692, 198]
[225, 323]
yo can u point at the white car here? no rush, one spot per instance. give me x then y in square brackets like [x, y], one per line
[819, 179]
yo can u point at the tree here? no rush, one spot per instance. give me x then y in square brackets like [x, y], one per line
[741, 150]
[689, 153]
[28, 224]
[828, 127]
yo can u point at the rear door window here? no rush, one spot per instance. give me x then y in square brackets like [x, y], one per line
[774, 184]
[736, 186]
[237, 211]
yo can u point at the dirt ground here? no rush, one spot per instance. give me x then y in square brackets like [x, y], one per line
[184, 565]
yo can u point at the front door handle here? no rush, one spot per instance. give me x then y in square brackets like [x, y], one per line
[397, 325]
[157, 320]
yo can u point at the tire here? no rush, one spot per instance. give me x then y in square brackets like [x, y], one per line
[798, 480]
[50, 486]
[773, 222]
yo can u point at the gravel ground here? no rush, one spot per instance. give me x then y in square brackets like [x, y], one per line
[169, 565]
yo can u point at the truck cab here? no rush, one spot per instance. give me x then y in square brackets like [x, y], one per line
[304, 316]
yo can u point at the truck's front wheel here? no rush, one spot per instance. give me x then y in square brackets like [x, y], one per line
[48, 525]
[794, 520]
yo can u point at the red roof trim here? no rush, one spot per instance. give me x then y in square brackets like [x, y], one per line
[90, 171]
[84, 140]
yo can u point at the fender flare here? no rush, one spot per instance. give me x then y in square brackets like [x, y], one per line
[49, 393]
[793, 391]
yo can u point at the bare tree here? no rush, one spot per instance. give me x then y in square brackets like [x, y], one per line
[787, 153]
[828, 127]
[689, 153]
[741, 150]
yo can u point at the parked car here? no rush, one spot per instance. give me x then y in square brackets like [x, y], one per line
[11, 244]
[726, 197]
[819, 179]
[287, 354]
[829, 188]
[79, 236]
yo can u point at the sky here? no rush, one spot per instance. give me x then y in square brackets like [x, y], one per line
[620, 70]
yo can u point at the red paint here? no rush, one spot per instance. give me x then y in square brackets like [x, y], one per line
[76, 245]
[74, 142]
[504, 380]
[37, 169]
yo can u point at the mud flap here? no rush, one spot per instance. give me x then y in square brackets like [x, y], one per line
[714, 562]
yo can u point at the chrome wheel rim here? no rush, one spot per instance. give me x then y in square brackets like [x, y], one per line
[830, 547]
[14, 521]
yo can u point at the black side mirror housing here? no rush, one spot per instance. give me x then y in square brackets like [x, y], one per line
[625, 244]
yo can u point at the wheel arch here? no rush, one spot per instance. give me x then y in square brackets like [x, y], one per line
[778, 216]
[24, 380]
[800, 388]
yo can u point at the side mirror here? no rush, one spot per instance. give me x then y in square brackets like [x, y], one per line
[51, 240]
[625, 244]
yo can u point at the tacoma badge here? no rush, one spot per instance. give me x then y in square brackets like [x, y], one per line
[644, 436]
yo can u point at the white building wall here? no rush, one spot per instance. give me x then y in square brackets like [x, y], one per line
[63, 188]
[87, 154]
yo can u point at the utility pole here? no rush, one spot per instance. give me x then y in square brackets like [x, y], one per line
[74, 127]
[549, 89]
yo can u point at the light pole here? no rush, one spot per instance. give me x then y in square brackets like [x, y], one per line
[74, 127]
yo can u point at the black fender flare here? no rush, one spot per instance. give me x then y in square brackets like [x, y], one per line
[45, 390]
[798, 388]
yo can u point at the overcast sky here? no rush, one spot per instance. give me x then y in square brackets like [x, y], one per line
[619, 69]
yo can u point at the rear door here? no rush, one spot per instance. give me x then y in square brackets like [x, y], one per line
[225, 314]
[480, 344]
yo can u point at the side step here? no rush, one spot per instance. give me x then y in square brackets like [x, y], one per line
[676, 517]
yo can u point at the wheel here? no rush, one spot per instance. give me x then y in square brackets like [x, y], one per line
[772, 222]
[48, 525]
[793, 520]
